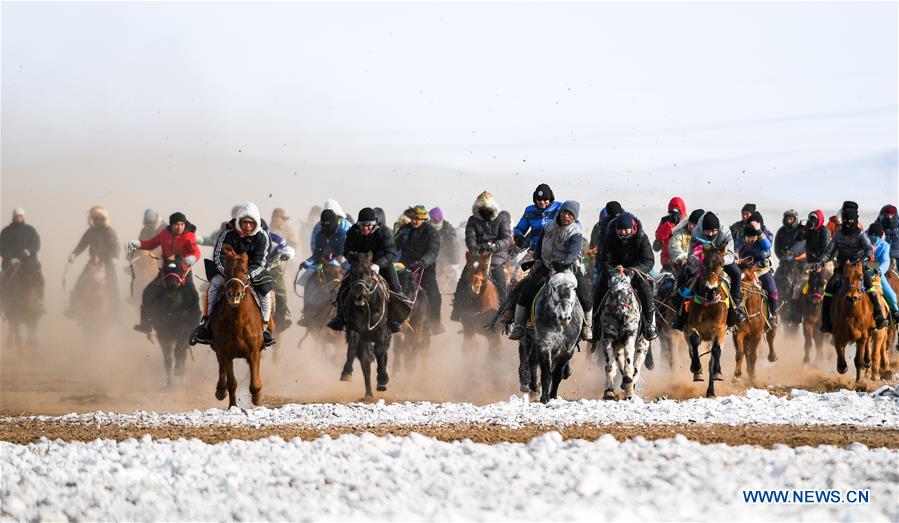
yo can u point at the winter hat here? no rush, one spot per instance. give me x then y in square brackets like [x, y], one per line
[695, 216]
[381, 215]
[150, 216]
[367, 215]
[571, 206]
[710, 221]
[177, 217]
[749, 207]
[436, 215]
[848, 204]
[791, 212]
[613, 209]
[543, 192]
[18, 211]
[756, 217]
[875, 229]
[850, 214]
[888, 209]
[625, 220]
[279, 213]
[421, 212]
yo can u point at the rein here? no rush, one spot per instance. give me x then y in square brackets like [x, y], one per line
[369, 290]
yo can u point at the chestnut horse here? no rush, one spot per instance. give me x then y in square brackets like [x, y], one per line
[237, 329]
[810, 308]
[878, 349]
[479, 300]
[707, 315]
[748, 335]
[852, 318]
[893, 280]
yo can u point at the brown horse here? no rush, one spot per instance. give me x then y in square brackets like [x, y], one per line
[236, 326]
[479, 300]
[878, 349]
[416, 336]
[748, 335]
[893, 280]
[707, 315]
[20, 288]
[853, 319]
[810, 308]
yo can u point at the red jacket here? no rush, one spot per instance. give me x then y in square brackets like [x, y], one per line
[666, 227]
[184, 245]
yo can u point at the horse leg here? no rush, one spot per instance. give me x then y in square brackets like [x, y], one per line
[641, 350]
[533, 367]
[546, 378]
[222, 382]
[347, 373]
[695, 365]
[610, 369]
[380, 349]
[739, 353]
[714, 368]
[772, 352]
[524, 366]
[876, 341]
[840, 347]
[232, 382]
[167, 360]
[364, 353]
[626, 364]
[808, 342]
[181, 349]
[558, 369]
[860, 360]
[255, 361]
[752, 356]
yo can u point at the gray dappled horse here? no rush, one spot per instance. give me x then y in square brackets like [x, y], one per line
[557, 331]
[623, 345]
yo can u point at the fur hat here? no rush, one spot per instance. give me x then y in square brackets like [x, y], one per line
[420, 212]
[97, 212]
[485, 202]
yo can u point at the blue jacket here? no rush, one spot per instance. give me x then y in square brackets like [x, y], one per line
[534, 220]
[326, 247]
[343, 225]
[881, 255]
[760, 251]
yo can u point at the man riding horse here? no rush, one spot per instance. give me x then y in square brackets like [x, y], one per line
[627, 245]
[756, 253]
[419, 246]
[19, 241]
[736, 228]
[708, 232]
[178, 241]
[102, 244]
[488, 230]
[244, 234]
[665, 231]
[327, 247]
[881, 264]
[368, 235]
[890, 223]
[849, 244]
[558, 249]
[535, 218]
[679, 244]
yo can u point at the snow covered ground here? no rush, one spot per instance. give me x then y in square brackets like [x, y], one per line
[880, 409]
[414, 477]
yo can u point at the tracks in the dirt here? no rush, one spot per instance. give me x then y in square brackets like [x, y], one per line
[28, 430]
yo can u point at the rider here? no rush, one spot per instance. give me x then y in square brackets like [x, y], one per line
[179, 240]
[280, 225]
[279, 249]
[736, 229]
[327, 247]
[786, 234]
[343, 221]
[679, 244]
[213, 237]
[814, 235]
[152, 225]
[102, 242]
[488, 229]
[890, 223]
[245, 235]
[628, 246]
[449, 249]
[558, 248]
[18, 241]
[756, 252]
[676, 212]
[601, 229]
[535, 217]
[708, 232]
[849, 244]
[419, 245]
[881, 263]
[368, 235]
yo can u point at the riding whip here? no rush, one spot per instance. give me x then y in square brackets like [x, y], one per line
[131, 264]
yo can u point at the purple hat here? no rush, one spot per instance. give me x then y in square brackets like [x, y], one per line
[436, 214]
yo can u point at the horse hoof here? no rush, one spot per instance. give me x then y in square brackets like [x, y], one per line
[772, 357]
[716, 376]
[381, 388]
[842, 367]
[609, 395]
[524, 387]
[697, 376]
[220, 395]
[257, 399]
[735, 379]
[805, 359]
[709, 394]
[346, 376]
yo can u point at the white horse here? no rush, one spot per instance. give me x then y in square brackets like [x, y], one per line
[622, 341]
[557, 330]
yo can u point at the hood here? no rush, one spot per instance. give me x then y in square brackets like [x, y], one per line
[18, 211]
[485, 200]
[820, 215]
[571, 206]
[790, 213]
[248, 210]
[678, 203]
[97, 211]
[332, 204]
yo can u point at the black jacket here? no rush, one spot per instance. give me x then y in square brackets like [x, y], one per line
[15, 239]
[784, 239]
[816, 241]
[101, 241]
[379, 243]
[256, 246]
[418, 245]
[634, 252]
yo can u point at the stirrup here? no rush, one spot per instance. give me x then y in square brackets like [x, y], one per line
[518, 332]
[267, 339]
[336, 324]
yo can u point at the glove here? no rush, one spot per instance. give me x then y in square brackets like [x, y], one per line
[489, 247]
[560, 267]
[817, 266]
[72, 258]
[374, 268]
[15, 261]
[190, 260]
[520, 242]
[287, 253]
[308, 264]
[134, 244]
[26, 252]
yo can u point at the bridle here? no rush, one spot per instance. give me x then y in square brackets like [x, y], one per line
[370, 287]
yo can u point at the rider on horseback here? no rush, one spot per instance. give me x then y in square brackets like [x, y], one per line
[849, 244]
[368, 235]
[628, 246]
[881, 264]
[176, 240]
[102, 243]
[676, 211]
[449, 249]
[245, 235]
[756, 252]
[679, 245]
[18, 241]
[327, 247]
[736, 228]
[890, 223]
[536, 217]
[419, 245]
[488, 229]
[601, 229]
[707, 232]
[813, 236]
[558, 248]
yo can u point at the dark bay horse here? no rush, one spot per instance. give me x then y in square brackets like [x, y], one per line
[319, 295]
[236, 326]
[748, 335]
[810, 309]
[175, 316]
[20, 288]
[707, 315]
[852, 319]
[416, 336]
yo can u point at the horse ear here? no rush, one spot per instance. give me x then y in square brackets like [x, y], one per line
[468, 256]
[228, 250]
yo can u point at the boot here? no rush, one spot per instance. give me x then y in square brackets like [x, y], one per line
[825, 314]
[587, 329]
[649, 327]
[879, 320]
[772, 314]
[267, 338]
[679, 321]
[437, 327]
[336, 323]
[144, 325]
[395, 327]
[739, 313]
[895, 315]
[518, 327]
[201, 334]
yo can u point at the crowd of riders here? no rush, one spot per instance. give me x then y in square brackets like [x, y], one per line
[549, 234]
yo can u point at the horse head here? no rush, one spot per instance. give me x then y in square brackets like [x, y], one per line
[236, 271]
[620, 291]
[477, 267]
[173, 276]
[363, 281]
[332, 273]
[712, 266]
[563, 295]
[853, 278]
[816, 284]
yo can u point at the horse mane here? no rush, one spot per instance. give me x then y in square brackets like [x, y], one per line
[236, 265]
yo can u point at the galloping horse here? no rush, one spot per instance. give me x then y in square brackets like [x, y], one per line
[664, 292]
[318, 298]
[622, 342]
[878, 348]
[810, 307]
[748, 335]
[557, 330]
[175, 317]
[852, 318]
[365, 305]
[20, 289]
[479, 300]
[90, 302]
[416, 336]
[707, 315]
[237, 329]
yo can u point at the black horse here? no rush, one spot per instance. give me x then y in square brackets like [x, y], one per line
[175, 315]
[21, 289]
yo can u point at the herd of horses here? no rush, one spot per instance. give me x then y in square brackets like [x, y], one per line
[545, 352]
